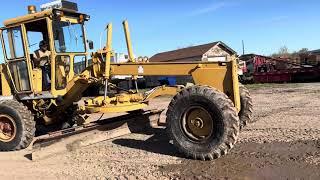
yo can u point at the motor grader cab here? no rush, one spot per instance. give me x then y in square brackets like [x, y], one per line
[63, 31]
[202, 120]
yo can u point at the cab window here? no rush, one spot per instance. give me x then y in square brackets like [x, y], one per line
[15, 56]
[68, 36]
[33, 40]
[13, 43]
[37, 31]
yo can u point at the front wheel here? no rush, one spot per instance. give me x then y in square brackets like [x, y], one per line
[202, 122]
[17, 126]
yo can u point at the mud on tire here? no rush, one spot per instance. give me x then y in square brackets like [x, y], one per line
[245, 113]
[23, 121]
[198, 109]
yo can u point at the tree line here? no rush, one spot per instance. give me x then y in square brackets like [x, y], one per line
[284, 52]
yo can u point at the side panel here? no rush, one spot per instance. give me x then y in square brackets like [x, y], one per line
[28, 58]
[222, 76]
[163, 69]
[37, 80]
[5, 87]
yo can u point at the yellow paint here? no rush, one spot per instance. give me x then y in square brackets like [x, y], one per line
[37, 80]
[128, 40]
[222, 76]
[129, 44]
[235, 83]
[70, 19]
[27, 18]
[162, 90]
[108, 51]
[119, 103]
[120, 107]
[28, 59]
[5, 87]
[217, 78]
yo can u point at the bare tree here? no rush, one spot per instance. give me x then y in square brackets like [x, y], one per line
[303, 51]
[282, 52]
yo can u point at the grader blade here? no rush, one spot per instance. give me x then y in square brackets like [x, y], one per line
[73, 138]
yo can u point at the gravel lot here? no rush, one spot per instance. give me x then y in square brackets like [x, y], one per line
[283, 144]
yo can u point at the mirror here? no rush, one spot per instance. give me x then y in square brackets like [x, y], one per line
[90, 44]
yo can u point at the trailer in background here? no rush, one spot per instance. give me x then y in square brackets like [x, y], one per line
[263, 69]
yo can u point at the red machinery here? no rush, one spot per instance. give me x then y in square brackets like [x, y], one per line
[263, 69]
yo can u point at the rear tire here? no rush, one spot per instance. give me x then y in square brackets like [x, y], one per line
[22, 125]
[202, 122]
[245, 113]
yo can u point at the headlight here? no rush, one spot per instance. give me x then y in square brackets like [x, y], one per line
[86, 17]
[83, 17]
[59, 13]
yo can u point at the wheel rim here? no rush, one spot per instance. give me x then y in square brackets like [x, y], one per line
[7, 128]
[197, 123]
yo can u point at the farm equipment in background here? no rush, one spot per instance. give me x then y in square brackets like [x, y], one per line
[263, 69]
[202, 120]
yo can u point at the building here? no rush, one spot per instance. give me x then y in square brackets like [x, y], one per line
[312, 58]
[213, 52]
[216, 51]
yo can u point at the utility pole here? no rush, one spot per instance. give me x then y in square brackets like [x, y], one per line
[242, 47]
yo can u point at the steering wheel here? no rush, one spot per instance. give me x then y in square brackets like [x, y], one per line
[47, 61]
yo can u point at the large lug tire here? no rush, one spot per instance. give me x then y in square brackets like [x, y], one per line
[246, 111]
[17, 126]
[202, 122]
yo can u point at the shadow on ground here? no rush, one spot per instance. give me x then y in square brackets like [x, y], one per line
[157, 143]
[271, 160]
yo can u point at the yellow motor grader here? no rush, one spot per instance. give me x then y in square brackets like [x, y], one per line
[203, 120]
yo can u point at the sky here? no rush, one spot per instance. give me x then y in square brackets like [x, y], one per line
[162, 25]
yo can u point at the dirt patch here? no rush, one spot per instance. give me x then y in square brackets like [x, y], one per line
[282, 144]
[277, 160]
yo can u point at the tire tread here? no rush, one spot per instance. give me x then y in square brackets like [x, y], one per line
[28, 124]
[231, 125]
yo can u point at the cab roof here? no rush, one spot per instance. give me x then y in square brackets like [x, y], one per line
[28, 17]
[34, 16]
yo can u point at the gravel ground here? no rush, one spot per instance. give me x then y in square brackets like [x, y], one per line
[283, 144]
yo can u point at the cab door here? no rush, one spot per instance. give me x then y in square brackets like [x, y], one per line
[15, 58]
